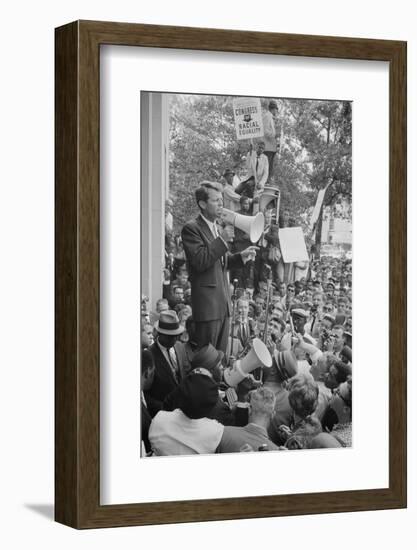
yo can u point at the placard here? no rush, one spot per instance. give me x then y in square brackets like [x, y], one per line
[293, 246]
[248, 118]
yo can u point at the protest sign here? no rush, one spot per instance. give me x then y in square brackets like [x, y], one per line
[247, 113]
[293, 246]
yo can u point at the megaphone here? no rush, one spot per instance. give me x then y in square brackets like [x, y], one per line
[252, 225]
[258, 356]
[269, 194]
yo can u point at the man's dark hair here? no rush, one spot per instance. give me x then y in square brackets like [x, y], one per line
[343, 371]
[202, 192]
[303, 395]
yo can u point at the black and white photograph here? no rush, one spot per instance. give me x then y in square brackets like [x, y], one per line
[246, 274]
[201, 201]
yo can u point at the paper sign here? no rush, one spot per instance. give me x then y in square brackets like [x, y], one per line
[293, 246]
[248, 118]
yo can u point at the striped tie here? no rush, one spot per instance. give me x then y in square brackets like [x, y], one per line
[174, 362]
[216, 234]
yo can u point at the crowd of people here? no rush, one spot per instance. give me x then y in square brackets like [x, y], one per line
[303, 401]
[224, 297]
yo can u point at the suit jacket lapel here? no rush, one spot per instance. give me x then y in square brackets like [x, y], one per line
[210, 237]
[205, 229]
[166, 366]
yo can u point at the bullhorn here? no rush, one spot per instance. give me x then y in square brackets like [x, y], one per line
[269, 194]
[258, 356]
[252, 225]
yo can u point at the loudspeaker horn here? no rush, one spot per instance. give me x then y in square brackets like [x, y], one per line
[252, 225]
[269, 193]
[258, 356]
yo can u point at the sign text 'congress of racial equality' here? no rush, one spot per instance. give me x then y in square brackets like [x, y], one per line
[248, 118]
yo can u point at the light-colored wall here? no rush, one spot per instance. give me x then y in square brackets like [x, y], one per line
[154, 186]
[27, 276]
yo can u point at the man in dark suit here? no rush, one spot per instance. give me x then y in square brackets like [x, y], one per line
[146, 379]
[167, 365]
[243, 326]
[208, 258]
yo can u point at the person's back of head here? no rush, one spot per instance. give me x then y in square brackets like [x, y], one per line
[303, 395]
[198, 394]
[306, 431]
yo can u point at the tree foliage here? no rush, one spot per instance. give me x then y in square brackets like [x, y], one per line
[315, 151]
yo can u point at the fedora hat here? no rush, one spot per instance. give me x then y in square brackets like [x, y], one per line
[207, 358]
[169, 323]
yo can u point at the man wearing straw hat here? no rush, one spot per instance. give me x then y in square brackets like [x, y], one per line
[167, 366]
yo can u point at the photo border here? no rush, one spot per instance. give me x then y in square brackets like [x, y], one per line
[77, 269]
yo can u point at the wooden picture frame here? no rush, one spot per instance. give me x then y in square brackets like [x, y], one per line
[77, 382]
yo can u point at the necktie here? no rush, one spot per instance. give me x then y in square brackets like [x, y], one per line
[243, 332]
[257, 162]
[216, 234]
[174, 362]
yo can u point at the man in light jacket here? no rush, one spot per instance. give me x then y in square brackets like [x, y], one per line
[270, 135]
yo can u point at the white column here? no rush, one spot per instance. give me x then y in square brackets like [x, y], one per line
[154, 188]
